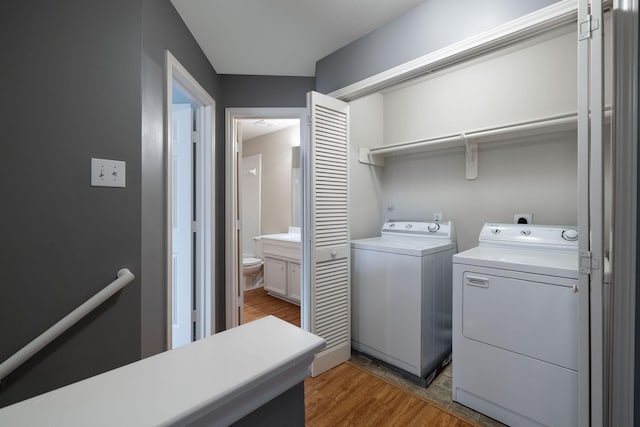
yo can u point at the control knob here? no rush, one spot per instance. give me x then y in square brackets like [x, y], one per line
[570, 235]
[433, 227]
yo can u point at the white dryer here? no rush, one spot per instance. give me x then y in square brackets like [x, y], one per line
[515, 325]
[401, 296]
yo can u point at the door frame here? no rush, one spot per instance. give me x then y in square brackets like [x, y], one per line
[232, 224]
[205, 196]
[623, 394]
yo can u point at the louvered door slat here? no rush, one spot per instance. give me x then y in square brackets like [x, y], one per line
[329, 247]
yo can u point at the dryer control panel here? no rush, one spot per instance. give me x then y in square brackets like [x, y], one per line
[551, 236]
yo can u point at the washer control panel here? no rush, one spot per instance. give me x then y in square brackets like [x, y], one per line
[418, 228]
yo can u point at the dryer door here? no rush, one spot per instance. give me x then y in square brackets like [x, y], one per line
[529, 317]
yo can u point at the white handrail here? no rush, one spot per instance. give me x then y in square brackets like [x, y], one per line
[22, 355]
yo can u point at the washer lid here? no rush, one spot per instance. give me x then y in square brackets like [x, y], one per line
[526, 260]
[403, 245]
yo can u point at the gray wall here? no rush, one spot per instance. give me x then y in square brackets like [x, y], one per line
[70, 91]
[86, 79]
[422, 30]
[162, 28]
[286, 410]
[244, 91]
[637, 343]
[265, 91]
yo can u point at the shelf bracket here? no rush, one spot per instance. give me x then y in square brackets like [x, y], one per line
[471, 158]
[365, 156]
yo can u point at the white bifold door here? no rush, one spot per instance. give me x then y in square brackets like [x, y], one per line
[326, 246]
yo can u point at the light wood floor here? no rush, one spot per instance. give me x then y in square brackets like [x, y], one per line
[349, 395]
[257, 304]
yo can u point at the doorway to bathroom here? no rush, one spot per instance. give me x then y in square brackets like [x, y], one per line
[264, 199]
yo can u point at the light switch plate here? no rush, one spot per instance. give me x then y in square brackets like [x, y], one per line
[108, 173]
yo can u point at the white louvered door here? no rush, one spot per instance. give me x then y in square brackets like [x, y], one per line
[327, 266]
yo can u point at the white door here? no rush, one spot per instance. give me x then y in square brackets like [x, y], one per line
[326, 253]
[182, 216]
[239, 297]
[251, 195]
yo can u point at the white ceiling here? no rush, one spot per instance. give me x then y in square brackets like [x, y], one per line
[252, 128]
[281, 37]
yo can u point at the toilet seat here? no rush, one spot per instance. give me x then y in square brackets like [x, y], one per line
[251, 261]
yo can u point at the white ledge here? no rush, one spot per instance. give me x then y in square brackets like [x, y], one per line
[219, 379]
[470, 138]
[553, 16]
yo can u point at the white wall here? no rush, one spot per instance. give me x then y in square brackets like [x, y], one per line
[365, 195]
[536, 175]
[276, 176]
[529, 80]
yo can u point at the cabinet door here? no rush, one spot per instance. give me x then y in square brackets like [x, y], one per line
[275, 276]
[293, 281]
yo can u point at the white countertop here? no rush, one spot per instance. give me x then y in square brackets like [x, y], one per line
[288, 237]
[225, 377]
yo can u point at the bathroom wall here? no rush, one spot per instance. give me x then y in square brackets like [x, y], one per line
[276, 150]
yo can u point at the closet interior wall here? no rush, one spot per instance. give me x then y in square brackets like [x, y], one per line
[531, 79]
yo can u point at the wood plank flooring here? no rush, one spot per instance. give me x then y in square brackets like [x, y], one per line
[349, 395]
[258, 303]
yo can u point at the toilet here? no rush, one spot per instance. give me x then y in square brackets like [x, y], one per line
[252, 264]
[251, 272]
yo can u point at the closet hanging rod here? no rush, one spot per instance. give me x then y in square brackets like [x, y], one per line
[562, 121]
[417, 144]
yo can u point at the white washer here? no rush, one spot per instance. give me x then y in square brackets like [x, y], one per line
[515, 325]
[401, 296]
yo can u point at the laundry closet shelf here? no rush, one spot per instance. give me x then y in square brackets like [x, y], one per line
[470, 139]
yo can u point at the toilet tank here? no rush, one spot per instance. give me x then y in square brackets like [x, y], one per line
[257, 246]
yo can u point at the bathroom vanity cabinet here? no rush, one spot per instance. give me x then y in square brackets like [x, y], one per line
[282, 265]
